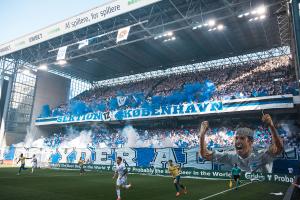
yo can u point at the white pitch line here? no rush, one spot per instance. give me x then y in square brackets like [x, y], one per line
[224, 191]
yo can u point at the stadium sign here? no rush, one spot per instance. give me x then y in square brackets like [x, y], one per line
[187, 109]
[95, 15]
[186, 172]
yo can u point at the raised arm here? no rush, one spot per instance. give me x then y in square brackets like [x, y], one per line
[203, 150]
[277, 144]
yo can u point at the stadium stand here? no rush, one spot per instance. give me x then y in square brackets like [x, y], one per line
[186, 137]
[264, 78]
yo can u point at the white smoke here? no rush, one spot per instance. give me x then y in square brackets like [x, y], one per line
[156, 139]
[20, 144]
[132, 136]
[71, 139]
[31, 136]
[134, 140]
[79, 141]
[39, 143]
[83, 139]
[167, 142]
[29, 139]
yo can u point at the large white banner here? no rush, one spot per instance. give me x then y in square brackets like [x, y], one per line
[186, 109]
[98, 14]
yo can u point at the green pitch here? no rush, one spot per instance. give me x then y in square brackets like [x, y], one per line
[68, 185]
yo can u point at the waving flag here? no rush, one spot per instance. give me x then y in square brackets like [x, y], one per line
[121, 100]
[83, 43]
[61, 54]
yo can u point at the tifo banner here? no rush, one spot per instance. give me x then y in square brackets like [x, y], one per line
[152, 161]
[98, 14]
[259, 103]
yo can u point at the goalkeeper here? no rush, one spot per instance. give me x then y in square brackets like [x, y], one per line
[236, 173]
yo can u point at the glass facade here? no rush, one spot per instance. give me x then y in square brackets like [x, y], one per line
[21, 102]
[77, 87]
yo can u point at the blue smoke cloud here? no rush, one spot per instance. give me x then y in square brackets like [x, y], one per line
[190, 92]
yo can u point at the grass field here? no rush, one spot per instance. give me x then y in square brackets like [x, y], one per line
[68, 185]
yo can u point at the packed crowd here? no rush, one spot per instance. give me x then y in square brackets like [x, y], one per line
[54, 141]
[221, 137]
[264, 78]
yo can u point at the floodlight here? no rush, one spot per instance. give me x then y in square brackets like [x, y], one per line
[62, 62]
[211, 22]
[220, 27]
[262, 17]
[261, 9]
[43, 67]
[170, 33]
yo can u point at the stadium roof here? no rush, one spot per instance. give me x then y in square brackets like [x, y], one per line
[143, 51]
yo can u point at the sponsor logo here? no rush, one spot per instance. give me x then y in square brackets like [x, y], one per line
[53, 31]
[130, 2]
[258, 177]
[36, 37]
[20, 43]
[6, 48]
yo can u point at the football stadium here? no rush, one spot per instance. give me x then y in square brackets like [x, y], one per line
[154, 100]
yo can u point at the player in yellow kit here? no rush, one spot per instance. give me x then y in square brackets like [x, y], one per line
[22, 160]
[81, 163]
[175, 172]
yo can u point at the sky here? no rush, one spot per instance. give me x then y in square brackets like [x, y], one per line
[19, 17]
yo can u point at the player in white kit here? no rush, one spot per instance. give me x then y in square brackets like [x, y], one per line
[34, 163]
[121, 172]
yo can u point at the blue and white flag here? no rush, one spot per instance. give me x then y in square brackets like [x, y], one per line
[61, 54]
[83, 43]
[121, 100]
[135, 98]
